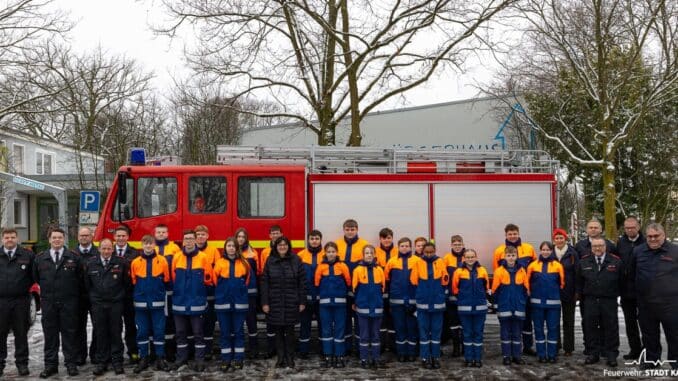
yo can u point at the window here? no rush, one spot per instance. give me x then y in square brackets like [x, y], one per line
[43, 163]
[19, 212]
[18, 158]
[207, 194]
[261, 197]
[127, 205]
[156, 196]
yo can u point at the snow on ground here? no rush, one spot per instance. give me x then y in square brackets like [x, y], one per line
[567, 368]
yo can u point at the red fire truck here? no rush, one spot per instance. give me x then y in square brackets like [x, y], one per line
[433, 194]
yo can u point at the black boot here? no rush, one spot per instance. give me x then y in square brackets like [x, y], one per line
[142, 365]
[280, 351]
[456, 343]
[289, 360]
[325, 363]
[161, 364]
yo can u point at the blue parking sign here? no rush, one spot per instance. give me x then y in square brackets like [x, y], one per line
[89, 201]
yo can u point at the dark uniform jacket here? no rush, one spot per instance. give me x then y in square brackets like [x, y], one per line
[656, 273]
[583, 247]
[625, 248]
[599, 284]
[107, 284]
[569, 261]
[93, 252]
[129, 253]
[283, 288]
[16, 275]
[61, 282]
[84, 258]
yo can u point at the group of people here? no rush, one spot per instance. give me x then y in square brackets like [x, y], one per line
[399, 295]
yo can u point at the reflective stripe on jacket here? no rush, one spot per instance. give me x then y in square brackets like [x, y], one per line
[545, 279]
[368, 285]
[151, 279]
[430, 277]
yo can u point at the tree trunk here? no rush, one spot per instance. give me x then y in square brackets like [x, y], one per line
[355, 140]
[327, 134]
[609, 198]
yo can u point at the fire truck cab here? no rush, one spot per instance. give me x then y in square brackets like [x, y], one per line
[433, 194]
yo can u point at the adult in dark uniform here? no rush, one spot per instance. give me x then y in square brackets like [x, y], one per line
[631, 239]
[655, 265]
[597, 283]
[594, 229]
[107, 281]
[569, 259]
[124, 250]
[16, 278]
[58, 271]
[86, 250]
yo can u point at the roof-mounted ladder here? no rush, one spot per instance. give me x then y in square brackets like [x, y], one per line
[321, 159]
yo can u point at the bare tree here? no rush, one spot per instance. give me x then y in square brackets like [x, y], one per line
[23, 24]
[323, 61]
[602, 65]
[206, 117]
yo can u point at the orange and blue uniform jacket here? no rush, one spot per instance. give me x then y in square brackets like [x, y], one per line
[430, 277]
[453, 261]
[231, 277]
[384, 254]
[310, 259]
[545, 279]
[397, 271]
[369, 283]
[526, 255]
[212, 254]
[167, 249]
[253, 260]
[509, 287]
[333, 282]
[151, 278]
[191, 274]
[351, 252]
[263, 257]
[470, 286]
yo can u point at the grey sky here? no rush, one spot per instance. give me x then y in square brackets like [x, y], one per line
[121, 27]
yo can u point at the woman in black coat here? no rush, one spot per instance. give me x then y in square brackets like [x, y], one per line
[283, 297]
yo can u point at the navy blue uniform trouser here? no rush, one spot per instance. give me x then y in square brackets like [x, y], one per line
[430, 330]
[332, 329]
[232, 335]
[57, 323]
[474, 328]
[547, 345]
[83, 314]
[601, 326]
[528, 339]
[14, 316]
[251, 321]
[310, 313]
[183, 325]
[630, 310]
[567, 340]
[370, 342]
[406, 330]
[510, 335]
[209, 320]
[108, 331]
[150, 323]
[651, 316]
[130, 327]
